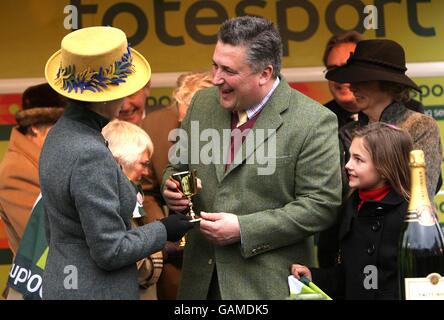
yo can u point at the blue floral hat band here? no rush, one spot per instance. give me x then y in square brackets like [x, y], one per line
[96, 64]
[94, 80]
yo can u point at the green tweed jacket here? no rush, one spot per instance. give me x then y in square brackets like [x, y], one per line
[279, 210]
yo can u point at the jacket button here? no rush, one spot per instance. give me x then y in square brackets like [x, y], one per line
[376, 226]
[371, 250]
[210, 261]
[379, 210]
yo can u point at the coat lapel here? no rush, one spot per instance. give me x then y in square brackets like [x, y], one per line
[221, 121]
[268, 122]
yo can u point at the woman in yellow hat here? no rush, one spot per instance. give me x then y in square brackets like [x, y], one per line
[88, 200]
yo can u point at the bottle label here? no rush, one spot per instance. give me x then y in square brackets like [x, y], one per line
[428, 288]
[424, 215]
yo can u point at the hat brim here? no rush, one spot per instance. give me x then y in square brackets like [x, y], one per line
[352, 73]
[133, 83]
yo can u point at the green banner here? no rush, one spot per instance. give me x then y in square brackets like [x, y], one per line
[27, 269]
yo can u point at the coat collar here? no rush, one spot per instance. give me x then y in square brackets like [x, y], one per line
[84, 115]
[369, 208]
[391, 200]
[391, 114]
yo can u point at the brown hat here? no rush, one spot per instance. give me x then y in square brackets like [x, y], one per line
[374, 60]
[40, 105]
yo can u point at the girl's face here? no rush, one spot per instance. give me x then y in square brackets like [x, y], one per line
[361, 172]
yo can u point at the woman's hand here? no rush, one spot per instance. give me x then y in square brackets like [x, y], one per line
[298, 270]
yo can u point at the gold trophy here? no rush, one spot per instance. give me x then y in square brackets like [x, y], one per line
[186, 182]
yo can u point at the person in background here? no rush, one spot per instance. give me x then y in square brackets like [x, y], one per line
[19, 180]
[87, 199]
[379, 178]
[134, 106]
[158, 124]
[376, 72]
[338, 49]
[187, 85]
[255, 222]
[132, 148]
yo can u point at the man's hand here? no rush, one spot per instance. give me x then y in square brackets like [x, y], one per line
[174, 198]
[221, 228]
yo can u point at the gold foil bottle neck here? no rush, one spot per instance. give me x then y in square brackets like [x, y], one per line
[417, 158]
[420, 206]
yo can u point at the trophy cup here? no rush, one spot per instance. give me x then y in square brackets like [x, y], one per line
[186, 182]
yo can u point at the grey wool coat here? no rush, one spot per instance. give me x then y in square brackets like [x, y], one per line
[279, 212]
[88, 204]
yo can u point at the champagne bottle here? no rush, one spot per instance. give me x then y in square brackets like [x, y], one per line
[421, 254]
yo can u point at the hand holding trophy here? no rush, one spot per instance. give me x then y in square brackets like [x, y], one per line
[186, 183]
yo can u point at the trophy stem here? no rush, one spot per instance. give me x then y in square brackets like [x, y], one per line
[192, 214]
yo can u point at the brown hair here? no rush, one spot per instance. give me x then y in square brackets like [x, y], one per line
[389, 148]
[335, 40]
[399, 92]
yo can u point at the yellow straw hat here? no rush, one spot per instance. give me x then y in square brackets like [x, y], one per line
[96, 64]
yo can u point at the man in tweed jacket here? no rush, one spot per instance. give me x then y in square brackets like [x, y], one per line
[256, 222]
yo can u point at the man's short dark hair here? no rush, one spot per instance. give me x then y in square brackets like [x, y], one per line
[259, 36]
[335, 40]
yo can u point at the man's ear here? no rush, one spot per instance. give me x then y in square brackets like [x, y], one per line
[266, 75]
[33, 130]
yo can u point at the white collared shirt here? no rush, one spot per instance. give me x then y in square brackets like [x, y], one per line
[254, 110]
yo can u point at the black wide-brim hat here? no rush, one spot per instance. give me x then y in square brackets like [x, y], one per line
[374, 60]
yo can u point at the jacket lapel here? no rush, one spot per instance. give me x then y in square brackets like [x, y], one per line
[221, 122]
[268, 122]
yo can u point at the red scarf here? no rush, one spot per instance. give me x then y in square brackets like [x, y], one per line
[377, 194]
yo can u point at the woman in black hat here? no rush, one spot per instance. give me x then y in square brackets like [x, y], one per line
[376, 72]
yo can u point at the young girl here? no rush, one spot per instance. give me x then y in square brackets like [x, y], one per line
[379, 178]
